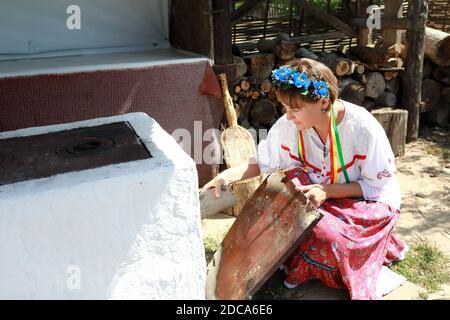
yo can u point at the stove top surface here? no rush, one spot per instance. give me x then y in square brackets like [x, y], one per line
[45, 155]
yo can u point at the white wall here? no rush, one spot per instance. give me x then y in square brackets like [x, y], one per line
[33, 27]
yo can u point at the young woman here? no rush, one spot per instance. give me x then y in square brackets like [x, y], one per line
[345, 165]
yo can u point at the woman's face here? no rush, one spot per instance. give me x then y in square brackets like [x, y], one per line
[307, 116]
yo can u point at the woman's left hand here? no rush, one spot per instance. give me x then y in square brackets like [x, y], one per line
[316, 193]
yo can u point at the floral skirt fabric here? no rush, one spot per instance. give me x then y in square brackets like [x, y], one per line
[349, 245]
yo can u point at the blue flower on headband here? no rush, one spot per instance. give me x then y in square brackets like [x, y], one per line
[289, 78]
[301, 80]
[283, 74]
[320, 88]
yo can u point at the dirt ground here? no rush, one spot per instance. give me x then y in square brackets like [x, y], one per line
[424, 175]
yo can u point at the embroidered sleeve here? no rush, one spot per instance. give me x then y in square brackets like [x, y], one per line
[379, 165]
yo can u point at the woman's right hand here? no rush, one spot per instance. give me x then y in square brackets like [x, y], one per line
[217, 184]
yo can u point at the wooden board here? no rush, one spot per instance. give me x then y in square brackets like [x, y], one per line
[210, 204]
[270, 227]
[45, 155]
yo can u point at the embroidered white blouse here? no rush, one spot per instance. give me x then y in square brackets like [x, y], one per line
[367, 154]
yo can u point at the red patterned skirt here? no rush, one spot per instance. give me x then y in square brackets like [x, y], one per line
[349, 245]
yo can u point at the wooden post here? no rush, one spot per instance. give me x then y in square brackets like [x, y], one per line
[364, 33]
[222, 32]
[191, 27]
[392, 9]
[412, 78]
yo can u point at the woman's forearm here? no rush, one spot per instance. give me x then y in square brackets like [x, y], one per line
[347, 190]
[246, 170]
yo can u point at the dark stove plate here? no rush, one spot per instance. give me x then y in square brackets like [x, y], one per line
[40, 156]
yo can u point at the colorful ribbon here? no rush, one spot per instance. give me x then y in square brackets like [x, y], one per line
[335, 150]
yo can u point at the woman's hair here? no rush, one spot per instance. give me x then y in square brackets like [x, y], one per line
[314, 70]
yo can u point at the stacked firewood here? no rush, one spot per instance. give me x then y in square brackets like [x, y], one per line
[368, 76]
[436, 78]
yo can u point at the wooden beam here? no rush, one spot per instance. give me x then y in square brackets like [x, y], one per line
[318, 37]
[300, 39]
[391, 35]
[389, 23]
[222, 32]
[244, 9]
[412, 78]
[325, 17]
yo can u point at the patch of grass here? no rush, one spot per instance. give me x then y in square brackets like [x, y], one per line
[423, 295]
[426, 266]
[211, 244]
[445, 154]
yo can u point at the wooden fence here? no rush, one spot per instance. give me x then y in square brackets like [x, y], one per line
[274, 17]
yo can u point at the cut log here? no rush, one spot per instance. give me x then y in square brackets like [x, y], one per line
[285, 50]
[431, 90]
[352, 67]
[394, 123]
[386, 99]
[245, 85]
[283, 62]
[442, 74]
[359, 68]
[255, 95]
[375, 84]
[266, 46]
[389, 75]
[244, 109]
[427, 68]
[445, 94]
[352, 91]
[241, 67]
[210, 204]
[438, 116]
[261, 65]
[395, 62]
[266, 86]
[262, 112]
[272, 96]
[393, 85]
[368, 104]
[339, 65]
[372, 56]
[305, 53]
[395, 50]
[437, 46]
[361, 78]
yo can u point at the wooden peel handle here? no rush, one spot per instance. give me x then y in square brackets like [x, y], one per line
[228, 102]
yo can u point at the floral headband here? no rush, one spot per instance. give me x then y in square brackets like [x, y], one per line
[287, 78]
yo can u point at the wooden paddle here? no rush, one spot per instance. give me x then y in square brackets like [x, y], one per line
[238, 145]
